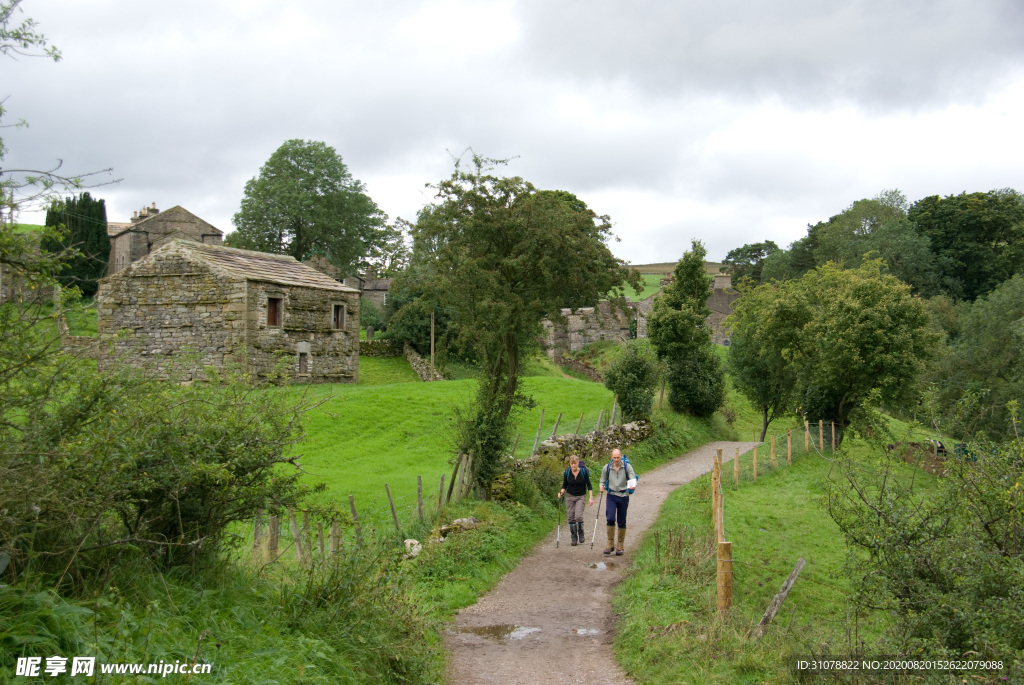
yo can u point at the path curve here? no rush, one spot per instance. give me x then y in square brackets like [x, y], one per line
[550, 619]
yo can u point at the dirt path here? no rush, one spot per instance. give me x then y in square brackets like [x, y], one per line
[550, 620]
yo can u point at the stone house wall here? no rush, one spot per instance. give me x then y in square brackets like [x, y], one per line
[306, 328]
[586, 325]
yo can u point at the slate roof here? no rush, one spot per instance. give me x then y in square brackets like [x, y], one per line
[257, 266]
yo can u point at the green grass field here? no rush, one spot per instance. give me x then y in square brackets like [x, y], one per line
[363, 436]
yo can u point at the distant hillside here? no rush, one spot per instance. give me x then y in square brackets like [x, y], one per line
[666, 267]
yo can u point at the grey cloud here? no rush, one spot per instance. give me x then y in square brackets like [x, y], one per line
[878, 54]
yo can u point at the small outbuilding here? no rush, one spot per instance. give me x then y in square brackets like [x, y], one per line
[187, 305]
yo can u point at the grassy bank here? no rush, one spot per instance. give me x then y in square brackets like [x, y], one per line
[670, 630]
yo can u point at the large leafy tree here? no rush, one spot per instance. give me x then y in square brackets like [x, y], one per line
[498, 256]
[304, 202]
[850, 338]
[748, 261]
[977, 238]
[82, 225]
[677, 327]
[756, 359]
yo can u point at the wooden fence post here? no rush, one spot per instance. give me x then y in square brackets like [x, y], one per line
[273, 535]
[307, 534]
[514, 446]
[355, 520]
[554, 430]
[440, 496]
[257, 533]
[715, 476]
[755, 462]
[580, 423]
[600, 417]
[615, 405]
[807, 436]
[467, 482]
[833, 436]
[789, 447]
[455, 472]
[335, 537]
[419, 496]
[536, 440]
[394, 516]
[736, 468]
[776, 604]
[320, 537]
[724, 576]
[773, 453]
[296, 537]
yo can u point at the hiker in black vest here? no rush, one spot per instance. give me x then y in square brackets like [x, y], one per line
[575, 486]
[617, 479]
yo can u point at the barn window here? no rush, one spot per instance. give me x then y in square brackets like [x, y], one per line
[303, 362]
[273, 311]
[338, 318]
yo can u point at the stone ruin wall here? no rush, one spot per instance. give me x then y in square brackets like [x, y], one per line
[584, 326]
[421, 366]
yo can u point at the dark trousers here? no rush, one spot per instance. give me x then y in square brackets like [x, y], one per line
[615, 509]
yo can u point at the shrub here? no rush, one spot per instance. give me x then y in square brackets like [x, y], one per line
[369, 315]
[633, 376]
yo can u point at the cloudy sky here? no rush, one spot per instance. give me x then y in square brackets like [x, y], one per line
[727, 121]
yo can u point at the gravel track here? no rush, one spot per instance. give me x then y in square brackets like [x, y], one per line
[550, 619]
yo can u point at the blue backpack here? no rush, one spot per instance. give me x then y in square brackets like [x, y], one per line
[629, 467]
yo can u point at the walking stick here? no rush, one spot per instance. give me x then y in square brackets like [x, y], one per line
[558, 535]
[596, 519]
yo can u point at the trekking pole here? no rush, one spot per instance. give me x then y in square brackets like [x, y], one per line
[558, 535]
[596, 518]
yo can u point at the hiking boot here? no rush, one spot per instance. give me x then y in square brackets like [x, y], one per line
[611, 541]
[579, 529]
[621, 548]
[572, 529]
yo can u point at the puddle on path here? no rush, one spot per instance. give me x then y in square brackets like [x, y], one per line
[586, 631]
[505, 631]
[603, 565]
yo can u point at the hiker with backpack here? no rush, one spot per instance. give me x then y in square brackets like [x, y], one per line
[618, 479]
[575, 486]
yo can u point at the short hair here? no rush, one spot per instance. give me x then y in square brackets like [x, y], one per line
[573, 459]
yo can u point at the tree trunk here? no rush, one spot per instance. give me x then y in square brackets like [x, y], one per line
[764, 423]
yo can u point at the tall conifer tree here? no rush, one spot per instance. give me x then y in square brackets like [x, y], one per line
[83, 222]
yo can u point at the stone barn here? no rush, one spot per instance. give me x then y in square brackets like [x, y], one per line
[187, 305]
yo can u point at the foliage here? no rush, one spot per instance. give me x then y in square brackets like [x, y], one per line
[949, 566]
[499, 256]
[304, 202]
[369, 315]
[633, 376]
[748, 261]
[677, 327]
[756, 360]
[851, 339]
[977, 238]
[985, 360]
[82, 222]
[390, 256]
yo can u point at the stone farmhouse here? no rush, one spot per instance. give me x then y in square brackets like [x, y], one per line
[150, 228]
[188, 305]
[371, 287]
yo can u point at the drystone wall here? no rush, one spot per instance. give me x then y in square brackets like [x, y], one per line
[552, 455]
[578, 365]
[421, 366]
[380, 348]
